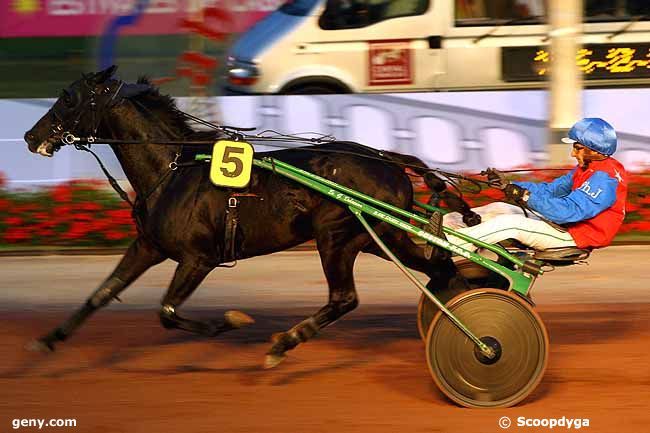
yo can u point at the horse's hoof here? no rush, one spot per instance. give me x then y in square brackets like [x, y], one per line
[276, 337]
[39, 346]
[273, 360]
[237, 319]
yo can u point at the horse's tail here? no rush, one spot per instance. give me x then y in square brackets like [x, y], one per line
[418, 166]
[438, 187]
[407, 161]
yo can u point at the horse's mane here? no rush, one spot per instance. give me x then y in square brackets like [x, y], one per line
[164, 108]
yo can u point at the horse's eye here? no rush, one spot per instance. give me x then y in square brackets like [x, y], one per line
[66, 98]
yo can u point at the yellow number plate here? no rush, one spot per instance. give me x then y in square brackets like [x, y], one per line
[231, 163]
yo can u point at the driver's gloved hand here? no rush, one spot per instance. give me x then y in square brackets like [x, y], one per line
[516, 193]
[471, 219]
[496, 179]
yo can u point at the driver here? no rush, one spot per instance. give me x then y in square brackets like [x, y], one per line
[584, 208]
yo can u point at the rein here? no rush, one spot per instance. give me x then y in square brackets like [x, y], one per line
[135, 206]
[111, 180]
[237, 135]
[122, 92]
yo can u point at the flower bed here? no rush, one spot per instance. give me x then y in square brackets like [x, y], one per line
[73, 214]
[88, 214]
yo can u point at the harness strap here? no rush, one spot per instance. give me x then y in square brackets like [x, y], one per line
[231, 225]
[116, 186]
[230, 233]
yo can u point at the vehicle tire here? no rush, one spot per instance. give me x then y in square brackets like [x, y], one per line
[313, 89]
[505, 322]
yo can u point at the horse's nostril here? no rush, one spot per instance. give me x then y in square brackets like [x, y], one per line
[29, 137]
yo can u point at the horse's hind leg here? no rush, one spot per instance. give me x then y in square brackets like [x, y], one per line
[139, 257]
[188, 276]
[338, 251]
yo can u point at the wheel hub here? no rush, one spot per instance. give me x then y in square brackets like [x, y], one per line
[493, 344]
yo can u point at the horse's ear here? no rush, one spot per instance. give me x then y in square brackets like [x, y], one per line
[104, 75]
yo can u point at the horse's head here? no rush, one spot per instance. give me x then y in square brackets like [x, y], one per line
[77, 111]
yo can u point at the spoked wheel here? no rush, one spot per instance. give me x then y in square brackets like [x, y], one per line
[504, 322]
[427, 309]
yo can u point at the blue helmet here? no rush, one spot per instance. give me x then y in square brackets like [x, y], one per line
[594, 133]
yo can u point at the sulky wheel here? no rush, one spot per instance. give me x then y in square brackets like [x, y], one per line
[427, 309]
[469, 271]
[506, 323]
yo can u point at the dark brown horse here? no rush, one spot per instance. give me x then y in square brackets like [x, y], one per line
[181, 216]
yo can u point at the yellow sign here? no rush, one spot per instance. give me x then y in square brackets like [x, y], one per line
[26, 6]
[231, 165]
[595, 61]
[615, 61]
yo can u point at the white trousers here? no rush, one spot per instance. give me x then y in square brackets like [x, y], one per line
[501, 221]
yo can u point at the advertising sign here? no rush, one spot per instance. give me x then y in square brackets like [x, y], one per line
[389, 63]
[33, 18]
[596, 61]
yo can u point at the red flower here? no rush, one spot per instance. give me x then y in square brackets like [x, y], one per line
[493, 193]
[115, 235]
[15, 235]
[62, 193]
[45, 233]
[62, 211]
[120, 214]
[89, 207]
[77, 230]
[641, 226]
[4, 204]
[41, 216]
[28, 207]
[83, 217]
[639, 179]
[13, 221]
[642, 201]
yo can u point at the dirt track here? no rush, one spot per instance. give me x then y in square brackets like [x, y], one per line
[124, 373]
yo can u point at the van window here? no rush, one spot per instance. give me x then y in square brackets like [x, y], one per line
[495, 12]
[299, 8]
[521, 12]
[487, 12]
[616, 10]
[352, 14]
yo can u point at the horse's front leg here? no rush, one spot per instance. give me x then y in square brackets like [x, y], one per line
[189, 274]
[139, 257]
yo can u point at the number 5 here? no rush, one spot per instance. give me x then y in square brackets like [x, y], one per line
[228, 158]
[232, 163]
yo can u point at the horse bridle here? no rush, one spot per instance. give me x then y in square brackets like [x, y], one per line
[65, 130]
[66, 127]
[67, 123]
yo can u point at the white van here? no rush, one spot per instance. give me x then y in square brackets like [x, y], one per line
[340, 46]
